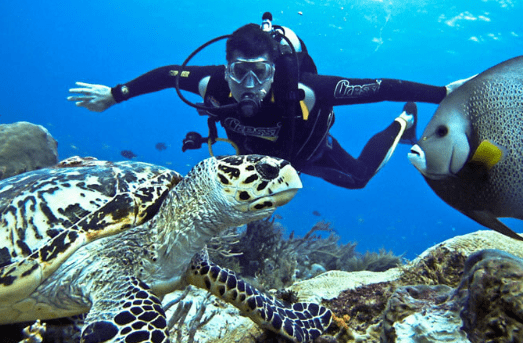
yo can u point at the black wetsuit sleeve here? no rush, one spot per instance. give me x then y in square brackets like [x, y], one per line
[333, 90]
[162, 78]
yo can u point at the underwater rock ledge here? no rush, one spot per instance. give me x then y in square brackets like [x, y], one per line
[466, 289]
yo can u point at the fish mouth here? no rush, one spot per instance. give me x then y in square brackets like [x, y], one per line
[417, 157]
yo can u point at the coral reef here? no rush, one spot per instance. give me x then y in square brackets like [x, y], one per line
[439, 267]
[24, 147]
[373, 261]
[379, 311]
[422, 313]
[332, 255]
[491, 296]
[258, 253]
[487, 306]
[65, 329]
[363, 305]
[183, 330]
[454, 292]
[195, 316]
[261, 253]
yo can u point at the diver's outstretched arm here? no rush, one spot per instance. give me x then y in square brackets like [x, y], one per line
[96, 98]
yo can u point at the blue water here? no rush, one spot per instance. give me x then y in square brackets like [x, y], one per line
[47, 47]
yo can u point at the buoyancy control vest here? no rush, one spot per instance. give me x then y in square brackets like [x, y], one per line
[299, 136]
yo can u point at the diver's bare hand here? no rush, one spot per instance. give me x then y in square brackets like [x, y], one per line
[96, 98]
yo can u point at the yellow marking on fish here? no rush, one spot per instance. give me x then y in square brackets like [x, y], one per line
[487, 154]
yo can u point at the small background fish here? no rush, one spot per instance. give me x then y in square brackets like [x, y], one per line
[160, 146]
[128, 154]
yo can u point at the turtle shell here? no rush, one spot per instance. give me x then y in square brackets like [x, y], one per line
[47, 214]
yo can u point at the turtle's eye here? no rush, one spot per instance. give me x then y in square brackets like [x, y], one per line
[267, 170]
[442, 131]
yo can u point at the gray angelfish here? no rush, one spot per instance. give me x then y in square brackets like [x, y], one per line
[471, 152]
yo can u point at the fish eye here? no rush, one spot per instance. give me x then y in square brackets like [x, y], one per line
[442, 131]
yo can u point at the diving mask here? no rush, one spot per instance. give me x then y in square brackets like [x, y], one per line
[251, 72]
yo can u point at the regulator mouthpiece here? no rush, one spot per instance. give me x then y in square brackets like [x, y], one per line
[249, 105]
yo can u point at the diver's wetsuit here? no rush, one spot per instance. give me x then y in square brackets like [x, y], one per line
[315, 151]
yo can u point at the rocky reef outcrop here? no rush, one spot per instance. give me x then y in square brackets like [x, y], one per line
[466, 289]
[24, 147]
[486, 306]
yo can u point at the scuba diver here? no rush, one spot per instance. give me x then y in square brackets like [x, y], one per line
[270, 100]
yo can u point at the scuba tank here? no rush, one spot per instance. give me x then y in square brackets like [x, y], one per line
[294, 59]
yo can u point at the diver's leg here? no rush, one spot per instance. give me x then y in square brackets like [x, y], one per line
[410, 113]
[380, 147]
[341, 169]
[338, 167]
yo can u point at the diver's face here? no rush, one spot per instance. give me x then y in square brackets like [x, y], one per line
[249, 75]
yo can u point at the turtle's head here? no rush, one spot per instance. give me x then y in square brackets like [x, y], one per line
[257, 184]
[246, 188]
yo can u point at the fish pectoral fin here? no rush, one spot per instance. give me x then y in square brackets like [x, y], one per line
[487, 154]
[489, 220]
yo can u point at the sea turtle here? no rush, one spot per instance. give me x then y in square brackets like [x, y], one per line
[110, 239]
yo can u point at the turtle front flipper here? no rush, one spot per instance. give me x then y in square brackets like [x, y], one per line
[128, 312]
[300, 322]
